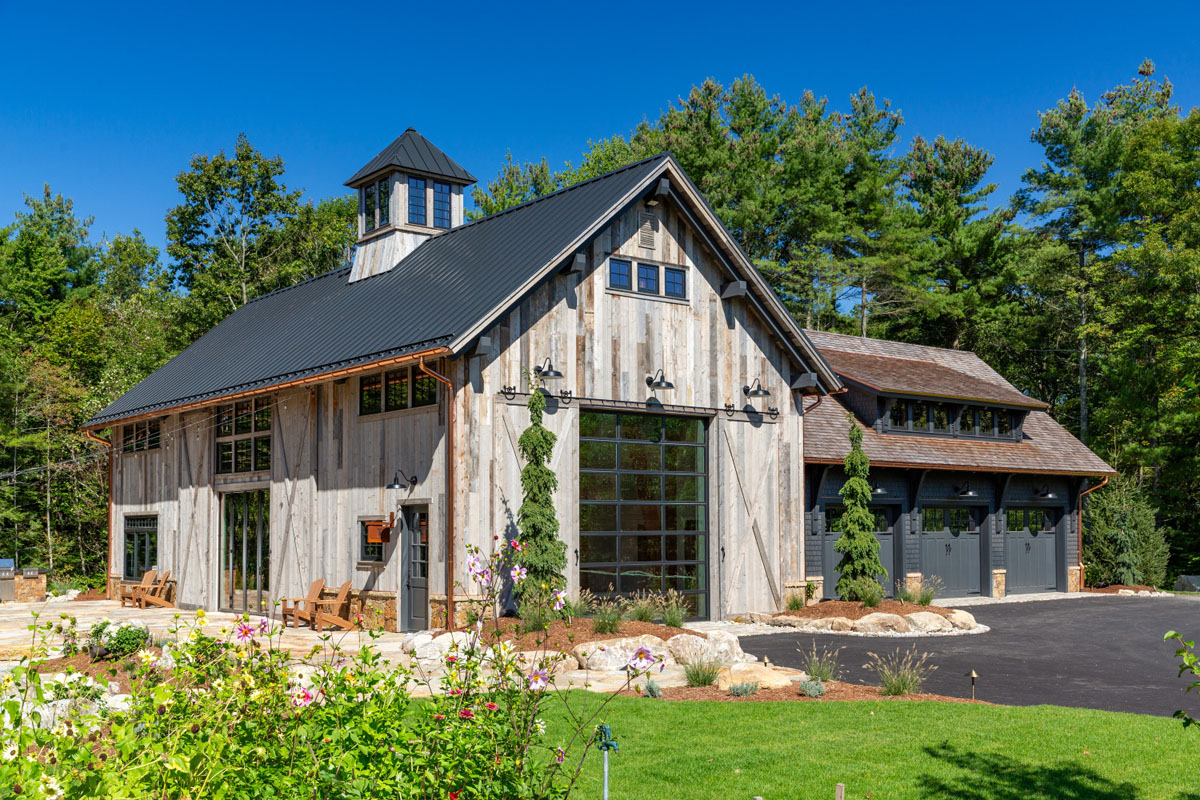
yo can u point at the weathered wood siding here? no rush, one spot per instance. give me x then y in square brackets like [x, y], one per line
[606, 343]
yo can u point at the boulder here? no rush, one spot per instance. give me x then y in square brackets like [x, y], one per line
[1127, 592]
[1187, 583]
[962, 620]
[789, 622]
[1143, 592]
[720, 646]
[879, 622]
[615, 654]
[755, 617]
[928, 622]
[766, 677]
[829, 624]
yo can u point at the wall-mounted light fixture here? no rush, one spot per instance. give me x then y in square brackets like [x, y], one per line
[878, 490]
[755, 389]
[1044, 493]
[546, 371]
[966, 491]
[658, 381]
[395, 484]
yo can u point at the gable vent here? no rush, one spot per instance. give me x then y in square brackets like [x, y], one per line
[647, 226]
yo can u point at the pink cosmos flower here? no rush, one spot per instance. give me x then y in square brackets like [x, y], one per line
[301, 697]
[538, 679]
[491, 706]
[559, 755]
[518, 573]
[515, 545]
[264, 626]
[467, 713]
[643, 659]
[244, 631]
[560, 599]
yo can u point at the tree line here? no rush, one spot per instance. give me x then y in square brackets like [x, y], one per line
[1083, 289]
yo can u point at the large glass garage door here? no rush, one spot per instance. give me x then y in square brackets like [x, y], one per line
[643, 505]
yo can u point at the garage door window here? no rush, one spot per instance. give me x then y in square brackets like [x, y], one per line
[833, 519]
[955, 520]
[643, 510]
[1033, 520]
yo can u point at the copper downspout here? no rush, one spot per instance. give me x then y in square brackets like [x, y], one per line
[449, 491]
[108, 510]
[821, 397]
[1079, 510]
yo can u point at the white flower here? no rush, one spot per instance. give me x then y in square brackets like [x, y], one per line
[539, 725]
[9, 752]
[50, 788]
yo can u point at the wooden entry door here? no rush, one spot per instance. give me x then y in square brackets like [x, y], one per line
[246, 551]
[415, 541]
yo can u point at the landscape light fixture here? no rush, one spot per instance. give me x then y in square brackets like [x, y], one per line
[395, 484]
[967, 491]
[878, 490]
[972, 675]
[659, 381]
[755, 389]
[547, 371]
[1044, 493]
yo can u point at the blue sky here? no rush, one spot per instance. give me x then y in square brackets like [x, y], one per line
[107, 101]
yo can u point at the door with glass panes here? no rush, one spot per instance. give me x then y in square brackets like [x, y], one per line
[415, 544]
[246, 551]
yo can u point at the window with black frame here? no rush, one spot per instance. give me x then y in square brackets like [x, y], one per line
[138, 436]
[396, 390]
[244, 435]
[935, 519]
[643, 508]
[882, 514]
[1034, 520]
[416, 201]
[141, 546]
[441, 205]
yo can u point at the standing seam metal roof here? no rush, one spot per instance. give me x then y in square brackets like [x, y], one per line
[413, 151]
[437, 292]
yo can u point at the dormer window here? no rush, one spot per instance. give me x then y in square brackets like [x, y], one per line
[441, 205]
[916, 416]
[376, 204]
[416, 201]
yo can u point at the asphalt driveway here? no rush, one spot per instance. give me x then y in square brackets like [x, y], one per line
[1101, 652]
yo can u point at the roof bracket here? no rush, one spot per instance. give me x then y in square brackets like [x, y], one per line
[806, 383]
[483, 347]
[660, 191]
[579, 263]
[733, 289]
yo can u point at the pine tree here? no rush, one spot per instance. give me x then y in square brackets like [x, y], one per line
[543, 554]
[857, 544]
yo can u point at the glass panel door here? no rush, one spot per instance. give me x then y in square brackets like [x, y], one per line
[246, 551]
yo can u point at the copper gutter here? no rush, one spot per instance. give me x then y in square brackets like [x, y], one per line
[1079, 510]
[324, 376]
[450, 417]
[109, 508]
[821, 397]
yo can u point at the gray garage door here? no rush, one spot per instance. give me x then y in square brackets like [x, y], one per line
[950, 548]
[1031, 549]
[885, 523]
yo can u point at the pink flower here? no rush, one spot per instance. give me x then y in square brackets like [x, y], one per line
[559, 755]
[643, 659]
[301, 697]
[538, 679]
[560, 599]
[455, 692]
[264, 626]
[518, 573]
[439, 716]
[515, 545]
[451, 659]
[467, 713]
[491, 706]
[244, 631]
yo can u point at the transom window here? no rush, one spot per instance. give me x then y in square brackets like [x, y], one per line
[376, 204]
[244, 435]
[141, 546]
[416, 201]
[137, 436]
[652, 279]
[1018, 519]
[395, 390]
[643, 512]
[936, 519]
[441, 205]
[948, 420]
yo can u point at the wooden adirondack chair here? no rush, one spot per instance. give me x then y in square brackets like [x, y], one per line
[156, 595]
[130, 593]
[338, 615]
[302, 609]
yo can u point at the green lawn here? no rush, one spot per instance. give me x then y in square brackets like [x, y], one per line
[888, 751]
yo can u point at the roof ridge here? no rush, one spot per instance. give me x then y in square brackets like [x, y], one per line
[891, 341]
[309, 279]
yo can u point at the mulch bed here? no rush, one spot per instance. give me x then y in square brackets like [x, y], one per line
[843, 608]
[834, 690]
[1116, 587]
[564, 637]
[103, 672]
[91, 594]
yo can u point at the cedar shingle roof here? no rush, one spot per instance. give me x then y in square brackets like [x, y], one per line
[1047, 447]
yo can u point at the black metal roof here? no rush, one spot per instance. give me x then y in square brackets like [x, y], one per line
[438, 292]
[412, 151]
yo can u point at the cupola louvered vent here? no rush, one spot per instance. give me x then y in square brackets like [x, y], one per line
[647, 227]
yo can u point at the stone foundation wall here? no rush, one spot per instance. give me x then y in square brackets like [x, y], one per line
[798, 587]
[464, 604]
[999, 581]
[29, 590]
[1074, 574]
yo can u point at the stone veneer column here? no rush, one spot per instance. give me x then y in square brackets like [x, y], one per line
[999, 581]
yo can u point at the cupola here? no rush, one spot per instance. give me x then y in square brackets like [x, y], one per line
[406, 194]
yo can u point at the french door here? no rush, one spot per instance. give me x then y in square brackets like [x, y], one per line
[246, 551]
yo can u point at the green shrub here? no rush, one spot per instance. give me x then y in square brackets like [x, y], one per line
[864, 590]
[795, 602]
[642, 607]
[813, 687]
[1121, 541]
[606, 616]
[653, 690]
[810, 591]
[674, 611]
[580, 606]
[902, 672]
[744, 689]
[906, 593]
[701, 673]
[822, 664]
[930, 588]
[857, 544]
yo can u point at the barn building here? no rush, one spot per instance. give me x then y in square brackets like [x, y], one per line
[362, 425]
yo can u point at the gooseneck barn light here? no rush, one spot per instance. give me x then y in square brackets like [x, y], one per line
[966, 491]
[547, 371]
[755, 389]
[395, 484]
[658, 381]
